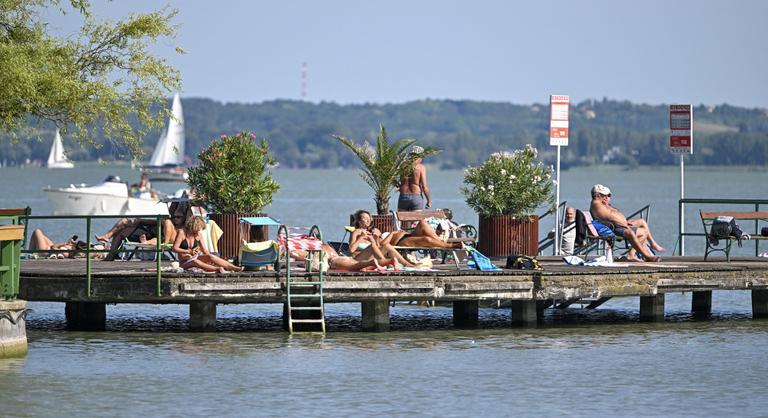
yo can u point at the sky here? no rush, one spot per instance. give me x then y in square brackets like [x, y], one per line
[395, 51]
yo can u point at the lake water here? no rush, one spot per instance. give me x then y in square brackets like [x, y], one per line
[601, 362]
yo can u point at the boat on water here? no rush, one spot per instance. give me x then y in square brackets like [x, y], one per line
[167, 163]
[110, 197]
[57, 159]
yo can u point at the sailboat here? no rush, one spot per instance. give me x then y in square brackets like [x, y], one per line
[167, 163]
[57, 159]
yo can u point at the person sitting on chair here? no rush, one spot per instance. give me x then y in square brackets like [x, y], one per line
[634, 231]
[145, 230]
[192, 253]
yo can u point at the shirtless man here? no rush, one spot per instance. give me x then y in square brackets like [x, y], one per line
[415, 185]
[635, 231]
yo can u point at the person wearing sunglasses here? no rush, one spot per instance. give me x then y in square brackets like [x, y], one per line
[635, 231]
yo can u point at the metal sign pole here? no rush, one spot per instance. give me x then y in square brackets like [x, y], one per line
[558, 232]
[682, 206]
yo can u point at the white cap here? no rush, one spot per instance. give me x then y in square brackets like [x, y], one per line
[600, 189]
[416, 149]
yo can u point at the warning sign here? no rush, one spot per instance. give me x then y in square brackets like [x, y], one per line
[558, 119]
[681, 129]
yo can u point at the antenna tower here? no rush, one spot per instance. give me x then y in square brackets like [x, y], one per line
[304, 81]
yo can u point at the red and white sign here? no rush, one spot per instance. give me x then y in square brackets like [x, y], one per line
[681, 129]
[558, 119]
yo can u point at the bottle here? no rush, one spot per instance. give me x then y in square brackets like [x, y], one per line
[609, 252]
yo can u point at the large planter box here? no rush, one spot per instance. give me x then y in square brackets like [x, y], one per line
[503, 235]
[234, 232]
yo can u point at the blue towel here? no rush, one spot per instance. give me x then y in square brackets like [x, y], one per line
[482, 262]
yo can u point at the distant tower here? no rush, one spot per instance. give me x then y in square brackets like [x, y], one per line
[304, 81]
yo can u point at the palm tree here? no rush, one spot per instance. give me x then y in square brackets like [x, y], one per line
[385, 164]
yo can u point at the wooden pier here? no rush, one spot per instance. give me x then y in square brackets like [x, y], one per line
[528, 292]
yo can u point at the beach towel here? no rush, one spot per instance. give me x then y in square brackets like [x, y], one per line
[481, 262]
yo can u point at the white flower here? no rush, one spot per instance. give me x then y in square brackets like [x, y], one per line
[490, 187]
[512, 177]
[503, 172]
[536, 179]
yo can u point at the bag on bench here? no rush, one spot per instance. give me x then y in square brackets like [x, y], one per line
[724, 227]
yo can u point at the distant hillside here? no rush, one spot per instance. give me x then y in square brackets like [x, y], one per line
[468, 131]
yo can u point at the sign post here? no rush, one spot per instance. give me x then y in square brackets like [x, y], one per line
[558, 136]
[681, 142]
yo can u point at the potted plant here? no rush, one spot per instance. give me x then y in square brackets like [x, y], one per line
[233, 180]
[504, 191]
[383, 165]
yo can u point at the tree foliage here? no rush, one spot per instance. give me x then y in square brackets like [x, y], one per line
[384, 164]
[102, 79]
[232, 175]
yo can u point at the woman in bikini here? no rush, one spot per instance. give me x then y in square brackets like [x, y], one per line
[366, 242]
[344, 263]
[192, 253]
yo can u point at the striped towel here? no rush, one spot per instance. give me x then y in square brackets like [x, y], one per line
[300, 242]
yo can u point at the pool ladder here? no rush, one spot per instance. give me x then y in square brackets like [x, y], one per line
[304, 297]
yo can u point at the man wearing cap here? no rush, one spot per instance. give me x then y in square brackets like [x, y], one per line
[415, 185]
[636, 231]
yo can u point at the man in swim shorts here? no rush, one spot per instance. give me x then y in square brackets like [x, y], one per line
[635, 231]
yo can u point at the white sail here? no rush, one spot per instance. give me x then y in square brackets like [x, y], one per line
[170, 147]
[57, 159]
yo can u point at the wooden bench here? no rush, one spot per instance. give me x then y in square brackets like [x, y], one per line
[707, 218]
[406, 220]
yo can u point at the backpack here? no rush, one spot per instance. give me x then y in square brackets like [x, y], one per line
[724, 227]
[522, 262]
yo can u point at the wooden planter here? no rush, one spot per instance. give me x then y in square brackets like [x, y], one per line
[234, 233]
[503, 235]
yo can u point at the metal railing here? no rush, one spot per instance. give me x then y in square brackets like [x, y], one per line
[88, 251]
[548, 241]
[756, 203]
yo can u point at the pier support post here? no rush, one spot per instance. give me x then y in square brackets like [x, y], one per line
[524, 313]
[701, 303]
[759, 303]
[202, 316]
[13, 331]
[465, 313]
[652, 308]
[86, 316]
[375, 315]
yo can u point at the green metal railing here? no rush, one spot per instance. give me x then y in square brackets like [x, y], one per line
[158, 250]
[756, 203]
[10, 252]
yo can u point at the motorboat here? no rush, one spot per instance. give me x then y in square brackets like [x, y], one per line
[167, 163]
[110, 197]
[57, 158]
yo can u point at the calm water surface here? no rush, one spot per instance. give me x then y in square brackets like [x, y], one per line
[578, 362]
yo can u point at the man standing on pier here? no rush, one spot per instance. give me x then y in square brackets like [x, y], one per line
[635, 231]
[413, 186]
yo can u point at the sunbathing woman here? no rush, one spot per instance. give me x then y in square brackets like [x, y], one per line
[74, 248]
[39, 241]
[423, 235]
[192, 253]
[344, 263]
[366, 243]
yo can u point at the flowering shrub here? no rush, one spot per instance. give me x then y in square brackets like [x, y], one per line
[508, 183]
[233, 175]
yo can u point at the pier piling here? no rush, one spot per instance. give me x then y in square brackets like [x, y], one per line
[375, 315]
[701, 303]
[524, 313]
[759, 303]
[202, 316]
[86, 316]
[652, 308]
[465, 314]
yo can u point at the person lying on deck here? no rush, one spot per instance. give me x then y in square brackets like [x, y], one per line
[635, 231]
[192, 253]
[39, 241]
[345, 263]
